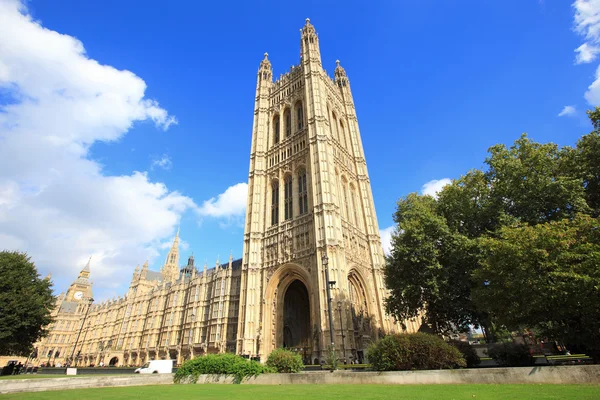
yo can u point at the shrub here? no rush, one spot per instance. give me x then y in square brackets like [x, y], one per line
[331, 358]
[413, 351]
[285, 361]
[219, 364]
[468, 352]
[511, 355]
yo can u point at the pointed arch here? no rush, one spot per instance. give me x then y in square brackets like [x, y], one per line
[343, 135]
[302, 192]
[299, 114]
[274, 202]
[357, 293]
[346, 206]
[287, 197]
[352, 195]
[334, 127]
[287, 117]
[276, 128]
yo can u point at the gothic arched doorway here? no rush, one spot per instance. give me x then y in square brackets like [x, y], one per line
[296, 317]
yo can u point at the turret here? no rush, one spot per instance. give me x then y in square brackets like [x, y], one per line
[309, 44]
[265, 73]
[170, 271]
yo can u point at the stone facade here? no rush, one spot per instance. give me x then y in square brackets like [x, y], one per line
[309, 195]
[176, 314]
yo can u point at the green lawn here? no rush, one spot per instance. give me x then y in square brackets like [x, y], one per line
[325, 392]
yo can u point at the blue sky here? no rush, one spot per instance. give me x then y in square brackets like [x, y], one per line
[435, 82]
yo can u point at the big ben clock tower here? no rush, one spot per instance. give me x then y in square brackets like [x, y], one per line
[81, 288]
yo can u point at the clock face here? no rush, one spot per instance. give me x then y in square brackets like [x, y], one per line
[78, 295]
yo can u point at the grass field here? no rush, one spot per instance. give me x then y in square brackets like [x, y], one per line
[325, 392]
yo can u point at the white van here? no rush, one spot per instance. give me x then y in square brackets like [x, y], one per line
[156, 367]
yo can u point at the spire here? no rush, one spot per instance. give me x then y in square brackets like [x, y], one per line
[309, 43]
[170, 271]
[265, 71]
[87, 266]
[340, 75]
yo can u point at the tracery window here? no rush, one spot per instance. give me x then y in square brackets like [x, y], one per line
[288, 123]
[302, 192]
[300, 115]
[275, 203]
[345, 194]
[352, 199]
[276, 129]
[287, 185]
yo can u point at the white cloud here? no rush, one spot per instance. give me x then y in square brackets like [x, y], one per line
[164, 162]
[592, 95]
[586, 53]
[386, 239]
[587, 24]
[432, 188]
[55, 202]
[567, 111]
[231, 203]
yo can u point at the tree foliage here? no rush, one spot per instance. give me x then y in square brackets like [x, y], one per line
[225, 364]
[25, 304]
[499, 226]
[417, 351]
[545, 276]
[285, 361]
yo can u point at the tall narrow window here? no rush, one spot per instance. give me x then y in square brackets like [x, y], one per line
[276, 129]
[288, 197]
[352, 200]
[302, 193]
[343, 134]
[288, 123]
[275, 203]
[335, 129]
[300, 114]
[345, 194]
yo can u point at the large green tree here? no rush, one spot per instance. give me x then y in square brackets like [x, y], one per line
[545, 276]
[441, 249]
[26, 301]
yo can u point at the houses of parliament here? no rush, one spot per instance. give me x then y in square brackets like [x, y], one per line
[310, 226]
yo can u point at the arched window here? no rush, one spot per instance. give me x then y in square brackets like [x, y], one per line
[302, 192]
[287, 185]
[352, 199]
[275, 202]
[343, 134]
[276, 129]
[288, 123]
[345, 194]
[300, 115]
[334, 128]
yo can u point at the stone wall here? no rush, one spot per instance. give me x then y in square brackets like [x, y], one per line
[583, 374]
[42, 385]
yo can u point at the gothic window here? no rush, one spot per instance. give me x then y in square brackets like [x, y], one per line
[352, 194]
[302, 193]
[345, 194]
[343, 135]
[288, 123]
[276, 129]
[275, 202]
[334, 128]
[300, 115]
[287, 185]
